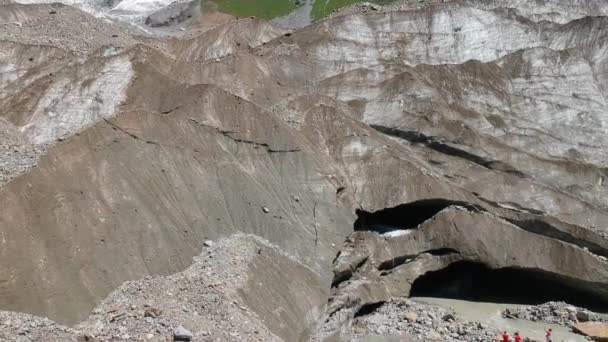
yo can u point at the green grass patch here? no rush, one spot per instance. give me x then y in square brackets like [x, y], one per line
[323, 8]
[266, 9]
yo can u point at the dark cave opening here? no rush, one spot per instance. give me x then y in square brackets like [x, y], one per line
[404, 216]
[476, 282]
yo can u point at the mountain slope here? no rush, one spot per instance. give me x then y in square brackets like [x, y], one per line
[415, 136]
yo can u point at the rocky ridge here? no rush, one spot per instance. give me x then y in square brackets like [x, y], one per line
[555, 313]
[206, 299]
[462, 135]
[421, 322]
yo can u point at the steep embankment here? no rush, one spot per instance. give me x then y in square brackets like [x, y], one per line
[437, 132]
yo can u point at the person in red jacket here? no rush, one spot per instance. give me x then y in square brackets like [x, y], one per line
[548, 336]
[505, 337]
[517, 337]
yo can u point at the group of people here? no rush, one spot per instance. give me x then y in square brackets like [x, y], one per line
[517, 336]
[507, 338]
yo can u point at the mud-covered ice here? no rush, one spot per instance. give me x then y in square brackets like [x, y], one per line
[67, 106]
[134, 11]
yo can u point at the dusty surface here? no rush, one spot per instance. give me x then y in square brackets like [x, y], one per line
[124, 148]
[18, 155]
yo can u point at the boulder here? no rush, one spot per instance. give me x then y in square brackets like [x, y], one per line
[596, 331]
[582, 316]
[182, 334]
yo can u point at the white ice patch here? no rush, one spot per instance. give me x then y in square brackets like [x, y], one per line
[142, 6]
[356, 148]
[67, 108]
[132, 11]
[111, 51]
[9, 67]
[8, 73]
[396, 233]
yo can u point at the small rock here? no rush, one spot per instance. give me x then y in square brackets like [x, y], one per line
[448, 317]
[433, 336]
[411, 316]
[118, 317]
[208, 243]
[266, 210]
[182, 334]
[152, 312]
[98, 326]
